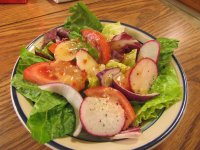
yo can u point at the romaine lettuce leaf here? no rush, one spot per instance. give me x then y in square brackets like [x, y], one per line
[26, 59]
[53, 123]
[51, 117]
[80, 18]
[112, 29]
[167, 84]
[27, 89]
[167, 47]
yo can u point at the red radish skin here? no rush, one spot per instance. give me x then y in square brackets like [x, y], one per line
[143, 75]
[133, 96]
[111, 93]
[102, 116]
[150, 49]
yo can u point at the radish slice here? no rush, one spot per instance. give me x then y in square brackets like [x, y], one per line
[150, 49]
[130, 95]
[72, 96]
[106, 76]
[102, 116]
[132, 133]
[65, 51]
[143, 75]
[86, 62]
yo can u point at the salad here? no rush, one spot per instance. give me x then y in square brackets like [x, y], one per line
[94, 77]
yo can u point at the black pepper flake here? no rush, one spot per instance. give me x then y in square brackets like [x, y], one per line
[106, 115]
[103, 125]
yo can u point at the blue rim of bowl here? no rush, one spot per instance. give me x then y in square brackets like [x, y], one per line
[150, 144]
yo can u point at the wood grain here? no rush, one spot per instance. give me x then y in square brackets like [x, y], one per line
[13, 13]
[152, 16]
[195, 4]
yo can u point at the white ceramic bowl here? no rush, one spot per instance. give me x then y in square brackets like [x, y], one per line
[154, 133]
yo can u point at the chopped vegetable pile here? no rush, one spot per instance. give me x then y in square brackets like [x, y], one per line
[95, 77]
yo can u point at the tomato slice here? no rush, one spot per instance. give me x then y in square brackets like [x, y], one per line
[39, 73]
[50, 72]
[97, 40]
[108, 92]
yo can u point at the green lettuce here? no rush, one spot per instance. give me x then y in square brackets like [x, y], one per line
[167, 47]
[93, 81]
[51, 117]
[113, 64]
[130, 58]
[45, 51]
[167, 84]
[112, 29]
[81, 17]
[92, 51]
[27, 89]
[26, 59]
[48, 125]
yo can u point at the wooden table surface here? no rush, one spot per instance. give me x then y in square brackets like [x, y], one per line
[21, 23]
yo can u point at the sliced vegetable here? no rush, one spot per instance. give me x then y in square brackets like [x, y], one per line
[112, 29]
[113, 94]
[143, 75]
[98, 41]
[106, 76]
[150, 49]
[66, 51]
[102, 116]
[40, 73]
[51, 72]
[133, 96]
[86, 62]
[72, 96]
